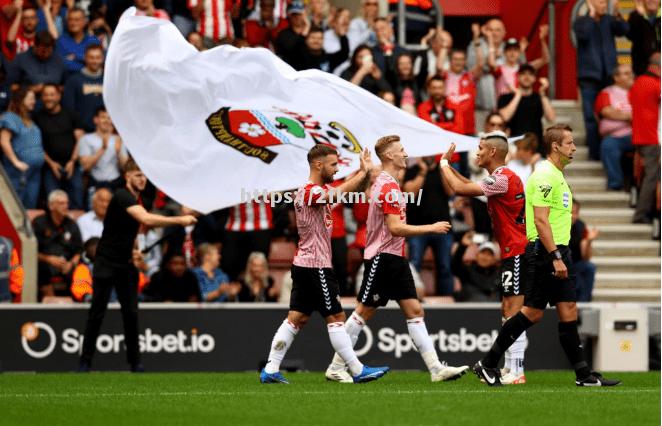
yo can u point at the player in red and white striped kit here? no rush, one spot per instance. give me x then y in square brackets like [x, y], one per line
[387, 275]
[505, 205]
[314, 284]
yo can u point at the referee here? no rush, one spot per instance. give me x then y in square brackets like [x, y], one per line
[550, 276]
[113, 264]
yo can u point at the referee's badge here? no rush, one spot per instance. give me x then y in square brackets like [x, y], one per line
[566, 200]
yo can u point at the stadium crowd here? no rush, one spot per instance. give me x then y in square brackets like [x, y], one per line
[63, 155]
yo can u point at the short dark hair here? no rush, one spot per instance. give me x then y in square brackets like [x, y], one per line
[554, 134]
[435, 77]
[315, 29]
[99, 110]
[93, 46]
[130, 166]
[53, 85]
[319, 151]
[76, 9]
[456, 50]
[44, 38]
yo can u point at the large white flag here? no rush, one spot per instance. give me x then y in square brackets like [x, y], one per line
[205, 125]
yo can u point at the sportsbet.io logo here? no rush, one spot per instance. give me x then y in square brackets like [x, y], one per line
[39, 341]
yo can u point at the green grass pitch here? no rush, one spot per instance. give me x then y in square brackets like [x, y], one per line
[400, 398]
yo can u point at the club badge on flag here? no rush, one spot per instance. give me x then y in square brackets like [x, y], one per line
[207, 127]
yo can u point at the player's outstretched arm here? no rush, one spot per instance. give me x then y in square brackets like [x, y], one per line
[399, 229]
[139, 213]
[458, 183]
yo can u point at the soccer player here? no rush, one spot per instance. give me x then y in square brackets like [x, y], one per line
[550, 278]
[113, 264]
[505, 205]
[387, 275]
[314, 284]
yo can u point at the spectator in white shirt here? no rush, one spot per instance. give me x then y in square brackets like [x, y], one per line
[91, 223]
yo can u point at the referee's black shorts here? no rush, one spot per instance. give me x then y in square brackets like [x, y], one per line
[542, 286]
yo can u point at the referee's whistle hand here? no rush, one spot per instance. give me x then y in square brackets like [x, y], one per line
[560, 270]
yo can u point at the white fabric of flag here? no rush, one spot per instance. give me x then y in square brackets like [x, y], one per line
[204, 126]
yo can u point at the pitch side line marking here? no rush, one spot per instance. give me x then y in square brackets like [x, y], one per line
[363, 392]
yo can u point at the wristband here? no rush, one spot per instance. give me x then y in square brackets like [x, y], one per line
[443, 162]
[556, 254]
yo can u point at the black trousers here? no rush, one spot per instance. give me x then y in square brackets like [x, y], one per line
[125, 282]
[237, 246]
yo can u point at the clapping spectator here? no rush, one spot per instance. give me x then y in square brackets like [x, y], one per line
[22, 147]
[365, 73]
[614, 112]
[71, 44]
[480, 278]
[645, 101]
[90, 224]
[644, 31]
[60, 131]
[460, 89]
[52, 16]
[173, 283]
[386, 51]
[102, 153]
[362, 28]
[60, 246]
[214, 284]
[581, 240]
[506, 73]
[257, 285]
[38, 65]
[493, 34]
[338, 27]
[83, 92]
[524, 109]
[596, 60]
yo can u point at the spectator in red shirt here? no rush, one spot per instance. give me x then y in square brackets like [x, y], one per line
[461, 88]
[645, 101]
[262, 32]
[437, 109]
[21, 34]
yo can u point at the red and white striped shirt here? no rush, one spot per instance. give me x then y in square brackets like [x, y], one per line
[215, 21]
[251, 216]
[388, 199]
[315, 223]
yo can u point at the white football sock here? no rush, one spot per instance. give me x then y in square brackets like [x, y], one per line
[279, 345]
[353, 325]
[342, 343]
[517, 353]
[419, 335]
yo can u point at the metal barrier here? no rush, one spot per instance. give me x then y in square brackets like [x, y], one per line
[402, 18]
